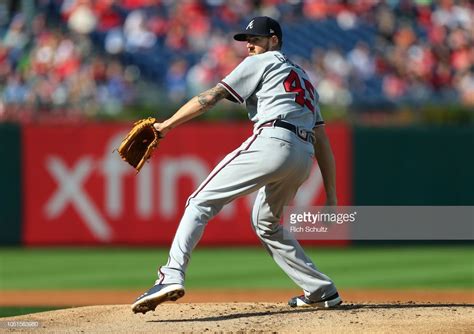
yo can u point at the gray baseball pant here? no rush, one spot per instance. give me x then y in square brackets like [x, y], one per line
[275, 162]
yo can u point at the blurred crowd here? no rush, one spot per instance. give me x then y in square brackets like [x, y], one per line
[83, 58]
[423, 52]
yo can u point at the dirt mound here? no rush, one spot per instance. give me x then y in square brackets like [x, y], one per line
[74, 298]
[251, 317]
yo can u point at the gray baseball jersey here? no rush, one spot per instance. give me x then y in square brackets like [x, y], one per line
[274, 161]
[273, 87]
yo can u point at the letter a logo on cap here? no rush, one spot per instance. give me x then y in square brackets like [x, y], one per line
[250, 25]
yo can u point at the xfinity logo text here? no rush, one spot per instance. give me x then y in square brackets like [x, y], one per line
[155, 190]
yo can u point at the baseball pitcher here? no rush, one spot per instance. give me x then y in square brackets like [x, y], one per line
[274, 161]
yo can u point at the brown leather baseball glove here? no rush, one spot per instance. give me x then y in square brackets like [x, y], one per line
[139, 144]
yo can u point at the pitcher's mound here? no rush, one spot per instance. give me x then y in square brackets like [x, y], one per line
[251, 317]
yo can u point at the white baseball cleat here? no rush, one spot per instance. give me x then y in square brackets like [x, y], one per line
[302, 301]
[158, 294]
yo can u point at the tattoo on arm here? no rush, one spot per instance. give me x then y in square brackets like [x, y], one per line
[209, 98]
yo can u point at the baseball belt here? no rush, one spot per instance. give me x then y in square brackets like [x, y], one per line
[302, 134]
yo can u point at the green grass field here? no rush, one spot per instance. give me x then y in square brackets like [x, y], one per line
[402, 267]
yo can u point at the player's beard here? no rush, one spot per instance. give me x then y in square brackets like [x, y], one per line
[262, 49]
[267, 47]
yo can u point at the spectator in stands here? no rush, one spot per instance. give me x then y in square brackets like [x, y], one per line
[16, 39]
[80, 15]
[176, 81]
[16, 91]
[361, 62]
[452, 15]
[464, 82]
[137, 34]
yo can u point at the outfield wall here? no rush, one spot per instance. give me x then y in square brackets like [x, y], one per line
[413, 166]
[78, 191]
[65, 185]
[10, 184]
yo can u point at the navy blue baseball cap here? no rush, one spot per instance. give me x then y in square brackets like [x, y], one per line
[260, 26]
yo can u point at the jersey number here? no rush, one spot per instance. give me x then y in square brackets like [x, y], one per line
[292, 84]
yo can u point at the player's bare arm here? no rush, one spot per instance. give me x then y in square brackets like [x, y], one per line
[193, 108]
[327, 165]
[209, 98]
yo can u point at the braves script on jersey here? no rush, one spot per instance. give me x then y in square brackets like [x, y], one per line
[273, 87]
